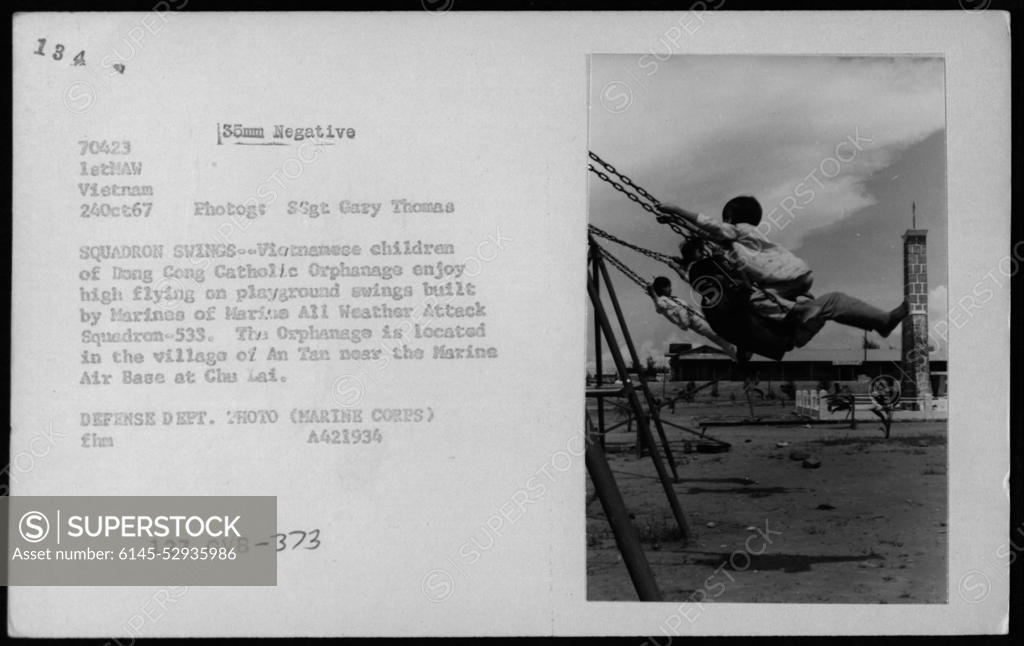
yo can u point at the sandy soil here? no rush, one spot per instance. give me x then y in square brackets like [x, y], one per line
[867, 526]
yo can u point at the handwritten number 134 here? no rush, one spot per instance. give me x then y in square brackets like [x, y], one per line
[58, 52]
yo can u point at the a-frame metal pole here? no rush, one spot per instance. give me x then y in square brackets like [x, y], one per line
[618, 517]
[598, 362]
[652, 406]
[620, 365]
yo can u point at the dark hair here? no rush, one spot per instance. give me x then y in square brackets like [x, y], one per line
[691, 251]
[742, 210]
[660, 283]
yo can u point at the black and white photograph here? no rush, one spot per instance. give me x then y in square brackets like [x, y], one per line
[767, 339]
[301, 302]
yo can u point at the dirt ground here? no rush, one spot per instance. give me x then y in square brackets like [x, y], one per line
[867, 526]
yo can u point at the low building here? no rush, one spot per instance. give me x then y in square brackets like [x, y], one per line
[705, 363]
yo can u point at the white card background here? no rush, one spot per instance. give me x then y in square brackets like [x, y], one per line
[488, 111]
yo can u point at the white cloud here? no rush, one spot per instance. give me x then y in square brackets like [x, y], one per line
[805, 134]
[702, 129]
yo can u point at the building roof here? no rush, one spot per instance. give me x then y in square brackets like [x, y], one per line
[839, 356]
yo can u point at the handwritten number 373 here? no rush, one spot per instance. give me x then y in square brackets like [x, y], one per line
[58, 52]
[311, 544]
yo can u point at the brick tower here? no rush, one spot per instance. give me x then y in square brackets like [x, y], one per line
[916, 380]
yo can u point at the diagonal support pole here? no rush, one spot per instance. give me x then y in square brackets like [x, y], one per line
[652, 405]
[597, 360]
[618, 517]
[630, 392]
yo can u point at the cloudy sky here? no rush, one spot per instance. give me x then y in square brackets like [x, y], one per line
[698, 130]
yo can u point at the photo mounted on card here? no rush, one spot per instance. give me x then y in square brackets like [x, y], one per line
[442, 323]
[767, 280]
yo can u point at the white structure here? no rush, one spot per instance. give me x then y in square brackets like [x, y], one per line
[811, 403]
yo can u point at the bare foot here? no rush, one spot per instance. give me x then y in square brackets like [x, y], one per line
[895, 318]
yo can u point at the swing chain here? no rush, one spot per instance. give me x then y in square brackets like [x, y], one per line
[675, 224]
[622, 189]
[647, 252]
[636, 278]
[681, 227]
[625, 180]
[626, 271]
